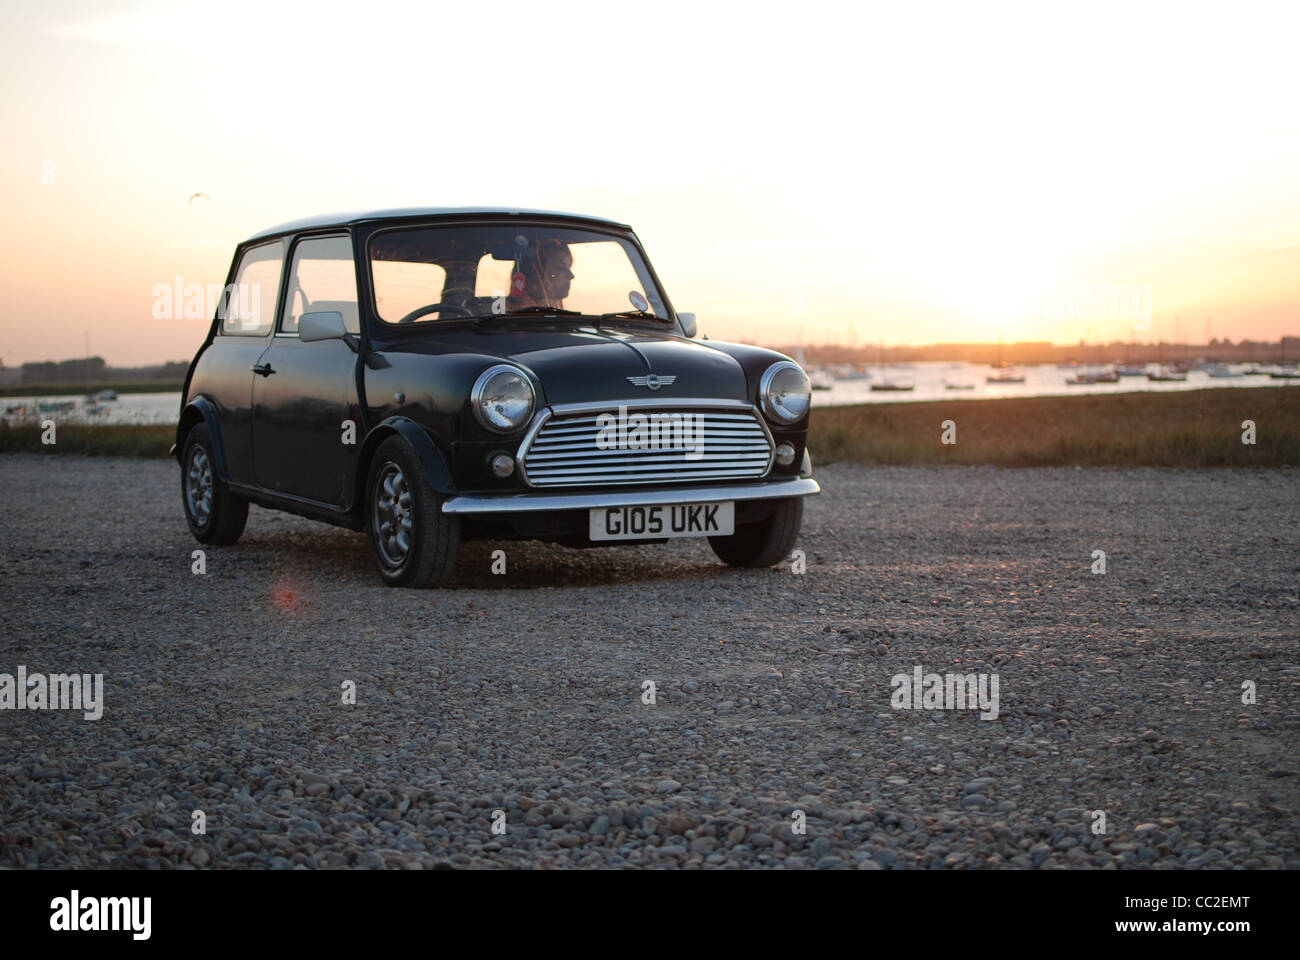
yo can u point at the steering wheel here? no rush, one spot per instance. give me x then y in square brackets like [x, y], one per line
[428, 308]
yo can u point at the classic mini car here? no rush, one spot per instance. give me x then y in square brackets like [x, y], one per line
[438, 375]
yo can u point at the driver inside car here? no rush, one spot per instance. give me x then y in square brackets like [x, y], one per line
[541, 277]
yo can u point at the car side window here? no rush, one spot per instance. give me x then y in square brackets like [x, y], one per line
[402, 286]
[248, 308]
[323, 277]
[492, 279]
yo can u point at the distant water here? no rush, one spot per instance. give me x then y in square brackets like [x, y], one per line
[929, 380]
[130, 408]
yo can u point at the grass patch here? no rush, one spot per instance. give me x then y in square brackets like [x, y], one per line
[1196, 428]
[120, 440]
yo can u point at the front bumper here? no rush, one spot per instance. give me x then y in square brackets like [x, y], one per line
[508, 503]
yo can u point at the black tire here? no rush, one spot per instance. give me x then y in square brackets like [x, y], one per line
[214, 513]
[766, 543]
[399, 499]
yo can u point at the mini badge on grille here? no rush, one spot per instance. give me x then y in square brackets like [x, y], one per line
[652, 381]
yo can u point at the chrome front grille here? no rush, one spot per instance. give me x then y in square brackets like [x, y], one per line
[564, 446]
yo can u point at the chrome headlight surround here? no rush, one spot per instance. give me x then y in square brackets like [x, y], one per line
[482, 394]
[772, 395]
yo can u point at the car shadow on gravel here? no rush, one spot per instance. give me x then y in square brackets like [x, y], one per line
[294, 547]
[531, 566]
[316, 547]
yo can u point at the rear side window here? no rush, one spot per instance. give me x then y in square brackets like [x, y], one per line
[322, 277]
[248, 308]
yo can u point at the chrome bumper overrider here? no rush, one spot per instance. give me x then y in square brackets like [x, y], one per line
[483, 503]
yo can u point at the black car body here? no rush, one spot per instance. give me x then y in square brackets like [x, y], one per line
[317, 391]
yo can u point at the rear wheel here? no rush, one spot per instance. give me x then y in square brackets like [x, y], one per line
[413, 541]
[766, 543]
[215, 515]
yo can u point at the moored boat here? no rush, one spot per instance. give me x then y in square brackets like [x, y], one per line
[1167, 375]
[852, 373]
[1090, 377]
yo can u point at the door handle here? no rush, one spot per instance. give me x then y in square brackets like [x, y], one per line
[263, 368]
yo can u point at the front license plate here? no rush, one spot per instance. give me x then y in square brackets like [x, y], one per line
[655, 523]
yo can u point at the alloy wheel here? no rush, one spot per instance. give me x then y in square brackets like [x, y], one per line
[392, 515]
[198, 485]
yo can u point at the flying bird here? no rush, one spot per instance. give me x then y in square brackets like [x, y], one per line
[196, 196]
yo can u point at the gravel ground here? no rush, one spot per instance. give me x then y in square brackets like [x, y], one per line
[1119, 693]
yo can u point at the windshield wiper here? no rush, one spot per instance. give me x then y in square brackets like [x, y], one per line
[630, 315]
[538, 309]
[597, 319]
[534, 311]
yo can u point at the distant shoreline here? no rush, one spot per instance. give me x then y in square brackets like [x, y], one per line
[1039, 353]
[95, 386]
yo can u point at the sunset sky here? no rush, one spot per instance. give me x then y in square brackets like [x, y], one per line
[911, 173]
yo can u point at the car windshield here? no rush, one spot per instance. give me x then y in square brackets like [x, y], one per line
[431, 273]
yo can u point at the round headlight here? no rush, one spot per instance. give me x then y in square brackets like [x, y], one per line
[502, 398]
[785, 392]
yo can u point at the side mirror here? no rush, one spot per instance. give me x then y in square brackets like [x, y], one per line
[689, 326]
[325, 325]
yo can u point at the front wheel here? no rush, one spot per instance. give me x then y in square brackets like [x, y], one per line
[765, 543]
[413, 541]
